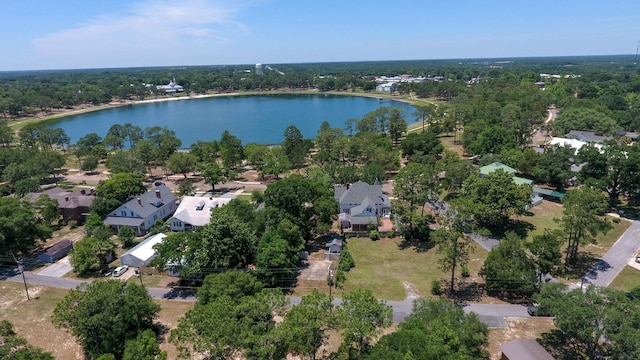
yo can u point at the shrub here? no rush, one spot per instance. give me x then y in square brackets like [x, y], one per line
[73, 224]
[346, 260]
[436, 287]
[374, 235]
[340, 278]
[465, 271]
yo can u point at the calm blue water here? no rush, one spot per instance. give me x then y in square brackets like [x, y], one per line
[260, 119]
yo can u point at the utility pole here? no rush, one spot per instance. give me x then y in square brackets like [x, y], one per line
[21, 268]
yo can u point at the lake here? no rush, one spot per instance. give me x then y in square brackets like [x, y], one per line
[253, 118]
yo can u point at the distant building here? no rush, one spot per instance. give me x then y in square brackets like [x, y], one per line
[143, 253]
[171, 88]
[259, 70]
[142, 212]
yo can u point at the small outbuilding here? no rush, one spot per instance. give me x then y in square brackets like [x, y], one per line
[143, 253]
[524, 349]
[56, 252]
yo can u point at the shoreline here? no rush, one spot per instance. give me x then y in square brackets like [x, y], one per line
[20, 122]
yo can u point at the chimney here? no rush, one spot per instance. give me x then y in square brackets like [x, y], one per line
[83, 191]
[139, 202]
[348, 186]
[158, 194]
[66, 198]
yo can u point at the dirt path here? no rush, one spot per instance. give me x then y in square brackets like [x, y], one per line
[542, 135]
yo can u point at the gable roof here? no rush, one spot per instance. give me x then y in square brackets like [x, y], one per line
[149, 202]
[196, 210]
[586, 136]
[359, 191]
[145, 251]
[485, 170]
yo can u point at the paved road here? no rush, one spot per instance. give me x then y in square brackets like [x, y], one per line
[606, 269]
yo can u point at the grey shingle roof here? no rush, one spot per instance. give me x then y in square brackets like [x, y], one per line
[358, 192]
[150, 202]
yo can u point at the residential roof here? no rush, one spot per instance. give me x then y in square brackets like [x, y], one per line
[495, 166]
[574, 143]
[359, 191]
[144, 251]
[522, 181]
[123, 221]
[586, 136]
[548, 192]
[60, 246]
[197, 210]
[66, 199]
[150, 201]
[524, 349]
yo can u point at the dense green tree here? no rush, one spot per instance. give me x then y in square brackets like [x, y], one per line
[546, 251]
[212, 174]
[275, 259]
[7, 136]
[19, 226]
[295, 146]
[182, 163]
[15, 347]
[456, 171]
[327, 150]
[425, 113]
[296, 196]
[584, 318]
[89, 164]
[423, 148]
[116, 190]
[554, 166]
[23, 187]
[145, 152]
[397, 124]
[90, 253]
[493, 140]
[606, 168]
[495, 197]
[582, 219]
[231, 150]
[583, 119]
[144, 347]
[362, 318]
[256, 155]
[235, 284]
[227, 327]
[306, 325]
[48, 210]
[124, 161]
[435, 329]
[413, 185]
[225, 243]
[105, 314]
[508, 268]
[127, 236]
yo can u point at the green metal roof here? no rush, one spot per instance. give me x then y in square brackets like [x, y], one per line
[495, 166]
[522, 181]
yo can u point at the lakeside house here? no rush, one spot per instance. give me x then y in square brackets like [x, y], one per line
[142, 212]
[195, 211]
[361, 205]
[171, 88]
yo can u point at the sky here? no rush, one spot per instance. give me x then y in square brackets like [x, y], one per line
[78, 34]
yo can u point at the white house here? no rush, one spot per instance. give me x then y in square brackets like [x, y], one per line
[141, 213]
[171, 88]
[143, 253]
[195, 211]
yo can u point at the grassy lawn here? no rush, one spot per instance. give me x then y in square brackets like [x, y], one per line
[627, 279]
[386, 269]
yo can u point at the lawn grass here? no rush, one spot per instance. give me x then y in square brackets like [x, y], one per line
[627, 279]
[385, 268]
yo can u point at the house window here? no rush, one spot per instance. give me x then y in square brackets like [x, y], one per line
[124, 212]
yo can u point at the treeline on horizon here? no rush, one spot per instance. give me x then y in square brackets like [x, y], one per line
[25, 93]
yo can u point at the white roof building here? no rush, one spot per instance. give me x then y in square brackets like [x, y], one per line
[171, 88]
[143, 253]
[195, 211]
[574, 143]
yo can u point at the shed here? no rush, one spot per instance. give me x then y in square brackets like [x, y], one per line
[524, 349]
[143, 253]
[56, 252]
[334, 245]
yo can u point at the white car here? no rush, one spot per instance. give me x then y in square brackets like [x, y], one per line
[120, 270]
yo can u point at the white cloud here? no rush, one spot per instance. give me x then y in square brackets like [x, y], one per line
[147, 30]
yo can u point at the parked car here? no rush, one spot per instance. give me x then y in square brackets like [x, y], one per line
[107, 272]
[638, 259]
[537, 310]
[120, 270]
[158, 183]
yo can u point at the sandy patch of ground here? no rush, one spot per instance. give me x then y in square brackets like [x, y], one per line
[517, 328]
[317, 270]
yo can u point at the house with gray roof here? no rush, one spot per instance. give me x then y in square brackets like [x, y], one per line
[142, 212]
[361, 204]
[73, 206]
[586, 136]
